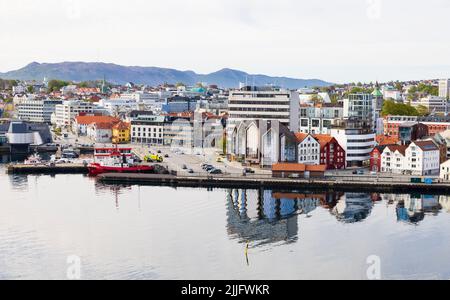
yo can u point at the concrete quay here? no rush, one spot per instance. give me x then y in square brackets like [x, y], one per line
[47, 169]
[258, 182]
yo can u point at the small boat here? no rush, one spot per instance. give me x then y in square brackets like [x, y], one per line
[116, 160]
[34, 159]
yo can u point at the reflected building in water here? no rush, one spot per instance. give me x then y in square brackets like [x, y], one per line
[265, 216]
[444, 201]
[353, 207]
[413, 208]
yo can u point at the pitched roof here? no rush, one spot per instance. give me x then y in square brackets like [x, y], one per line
[394, 148]
[300, 136]
[288, 167]
[323, 139]
[293, 167]
[87, 120]
[105, 125]
[122, 126]
[316, 168]
[426, 145]
[384, 140]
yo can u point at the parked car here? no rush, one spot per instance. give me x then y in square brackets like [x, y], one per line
[190, 171]
[215, 171]
[249, 171]
[166, 156]
[184, 167]
[206, 167]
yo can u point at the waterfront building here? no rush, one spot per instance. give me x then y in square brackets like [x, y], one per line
[19, 135]
[66, 112]
[287, 170]
[375, 158]
[260, 142]
[331, 153]
[37, 110]
[444, 88]
[264, 103]
[357, 137]
[393, 159]
[445, 171]
[308, 149]
[443, 138]
[148, 129]
[420, 158]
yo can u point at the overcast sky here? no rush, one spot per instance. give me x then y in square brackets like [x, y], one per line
[334, 40]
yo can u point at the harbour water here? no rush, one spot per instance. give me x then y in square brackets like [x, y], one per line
[121, 232]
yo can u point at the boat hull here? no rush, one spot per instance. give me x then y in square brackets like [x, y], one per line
[96, 169]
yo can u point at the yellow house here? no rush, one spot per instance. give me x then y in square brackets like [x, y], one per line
[121, 133]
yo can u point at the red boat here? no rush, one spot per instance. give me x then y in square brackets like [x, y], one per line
[115, 160]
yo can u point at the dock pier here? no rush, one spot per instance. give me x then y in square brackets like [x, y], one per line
[255, 182]
[47, 169]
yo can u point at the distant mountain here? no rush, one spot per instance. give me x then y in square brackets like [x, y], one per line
[81, 71]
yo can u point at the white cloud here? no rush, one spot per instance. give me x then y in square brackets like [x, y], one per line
[346, 40]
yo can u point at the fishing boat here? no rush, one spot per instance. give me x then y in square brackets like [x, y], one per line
[115, 160]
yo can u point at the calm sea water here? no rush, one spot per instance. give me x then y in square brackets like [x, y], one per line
[165, 233]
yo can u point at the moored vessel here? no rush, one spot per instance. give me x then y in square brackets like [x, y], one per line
[115, 160]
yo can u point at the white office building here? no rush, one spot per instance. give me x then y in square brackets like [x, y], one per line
[148, 129]
[357, 137]
[269, 104]
[66, 112]
[37, 110]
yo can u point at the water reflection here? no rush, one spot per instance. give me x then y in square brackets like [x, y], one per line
[353, 207]
[115, 190]
[266, 216]
[412, 208]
